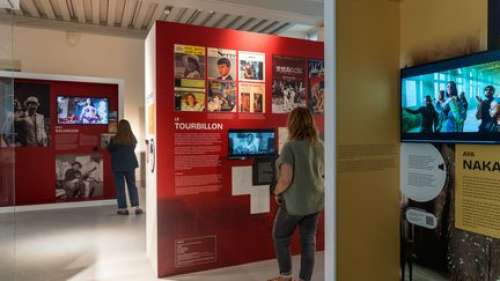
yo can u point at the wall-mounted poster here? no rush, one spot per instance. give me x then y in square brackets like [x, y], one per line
[288, 84]
[221, 96]
[221, 64]
[190, 99]
[316, 85]
[79, 176]
[32, 114]
[189, 66]
[252, 97]
[251, 66]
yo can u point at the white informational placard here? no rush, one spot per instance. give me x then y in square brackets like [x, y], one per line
[421, 218]
[423, 171]
[260, 195]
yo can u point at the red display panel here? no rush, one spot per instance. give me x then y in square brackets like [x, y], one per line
[196, 201]
[40, 167]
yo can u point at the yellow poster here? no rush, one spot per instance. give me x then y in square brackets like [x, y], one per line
[477, 198]
[151, 122]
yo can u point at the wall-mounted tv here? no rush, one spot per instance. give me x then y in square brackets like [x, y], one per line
[452, 101]
[82, 110]
[251, 143]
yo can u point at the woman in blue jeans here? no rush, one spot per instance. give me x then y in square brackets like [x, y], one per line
[123, 163]
[300, 194]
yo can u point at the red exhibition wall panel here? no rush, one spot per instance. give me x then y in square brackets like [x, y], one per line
[58, 154]
[205, 218]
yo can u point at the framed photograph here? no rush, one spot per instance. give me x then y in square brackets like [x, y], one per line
[221, 96]
[251, 66]
[288, 84]
[32, 114]
[316, 93]
[190, 99]
[252, 97]
[79, 177]
[189, 66]
[221, 64]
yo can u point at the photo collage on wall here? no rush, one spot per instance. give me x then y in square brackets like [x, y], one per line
[288, 84]
[235, 81]
[189, 71]
[79, 177]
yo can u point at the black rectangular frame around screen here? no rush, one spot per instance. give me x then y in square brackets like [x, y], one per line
[459, 62]
[245, 156]
[81, 124]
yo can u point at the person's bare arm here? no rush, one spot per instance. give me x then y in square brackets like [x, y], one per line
[285, 179]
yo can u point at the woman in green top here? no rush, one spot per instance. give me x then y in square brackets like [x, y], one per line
[299, 192]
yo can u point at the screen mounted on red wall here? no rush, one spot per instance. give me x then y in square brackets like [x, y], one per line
[82, 110]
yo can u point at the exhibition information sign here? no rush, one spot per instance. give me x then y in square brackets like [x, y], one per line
[477, 200]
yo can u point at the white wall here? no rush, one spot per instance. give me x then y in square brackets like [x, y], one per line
[70, 53]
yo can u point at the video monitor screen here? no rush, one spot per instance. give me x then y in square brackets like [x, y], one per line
[82, 110]
[251, 143]
[453, 101]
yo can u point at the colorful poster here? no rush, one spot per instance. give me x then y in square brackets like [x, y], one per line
[79, 176]
[221, 64]
[221, 96]
[252, 97]
[189, 66]
[190, 99]
[316, 98]
[251, 66]
[31, 114]
[288, 84]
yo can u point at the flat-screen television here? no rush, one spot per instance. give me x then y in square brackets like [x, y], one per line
[82, 110]
[452, 101]
[251, 143]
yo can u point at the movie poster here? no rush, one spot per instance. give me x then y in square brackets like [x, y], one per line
[189, 66]
[251, 66]
[221, 64]
[449, 226]
[288, 84]
[316, 98]
[221, 96]
[79, 176]
[190, 99]
[252, 97]
[31, 114]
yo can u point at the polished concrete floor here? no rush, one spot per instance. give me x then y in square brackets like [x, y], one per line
[90, 244]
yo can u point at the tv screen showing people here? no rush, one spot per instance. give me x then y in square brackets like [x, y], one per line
[251, 143]
[452, 101]
[82, 110]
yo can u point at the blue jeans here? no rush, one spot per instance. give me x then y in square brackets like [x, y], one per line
[284, 226]
[120, 178]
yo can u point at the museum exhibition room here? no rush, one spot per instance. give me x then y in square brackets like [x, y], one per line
[252, 140]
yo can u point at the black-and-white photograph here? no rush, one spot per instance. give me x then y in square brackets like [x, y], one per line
[79, 176]
[31, 114]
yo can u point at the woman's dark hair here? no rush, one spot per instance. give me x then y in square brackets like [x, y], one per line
[124, 135]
